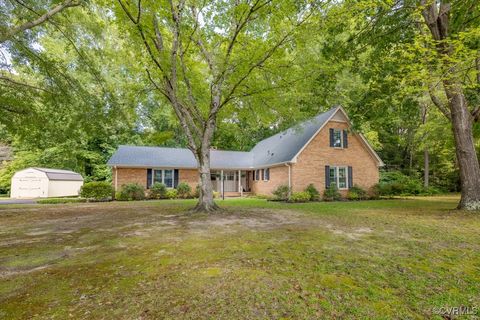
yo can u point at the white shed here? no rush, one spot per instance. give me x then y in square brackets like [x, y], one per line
[44, 183]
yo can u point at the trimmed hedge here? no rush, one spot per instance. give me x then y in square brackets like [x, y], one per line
[97, 190]
[302, 196]
[171, 194]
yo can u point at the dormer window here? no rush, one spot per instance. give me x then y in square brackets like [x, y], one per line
[338, 138]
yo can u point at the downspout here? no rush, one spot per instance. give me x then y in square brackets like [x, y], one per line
[116, 177]
[289, 179]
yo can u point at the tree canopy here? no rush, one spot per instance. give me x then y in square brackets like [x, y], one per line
[78, 78]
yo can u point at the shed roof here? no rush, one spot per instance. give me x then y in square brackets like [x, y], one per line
[59, 174]
[277, 149]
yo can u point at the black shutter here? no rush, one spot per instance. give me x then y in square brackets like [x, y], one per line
[263, 174]
[350, 177]
[345, 140]
[331, 137]
[175, 178]
[327, 177]
[149, 178]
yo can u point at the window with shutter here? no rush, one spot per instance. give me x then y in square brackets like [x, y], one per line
[338, 176]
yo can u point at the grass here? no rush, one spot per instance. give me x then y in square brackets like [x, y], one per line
[257, 259]
[61, 200]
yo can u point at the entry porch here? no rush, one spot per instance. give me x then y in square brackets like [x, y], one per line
[231, 182]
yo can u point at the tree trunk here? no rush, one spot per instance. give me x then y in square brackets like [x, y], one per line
[205, 198]
[437, 19]
[465, 147]
[426, 167]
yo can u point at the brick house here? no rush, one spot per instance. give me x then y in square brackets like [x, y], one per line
[322, 150]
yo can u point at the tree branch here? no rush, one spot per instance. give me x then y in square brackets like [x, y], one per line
[6, 79]
[42, 19]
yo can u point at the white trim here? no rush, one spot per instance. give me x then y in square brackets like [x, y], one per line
[163, 176]
[337, 175]
[116, 178]
[380, 162]
[341, 138]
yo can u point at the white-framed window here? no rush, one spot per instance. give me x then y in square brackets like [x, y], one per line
[266, 174]
[164, 176]
[257, 175]
[337, 138]
[339, 177]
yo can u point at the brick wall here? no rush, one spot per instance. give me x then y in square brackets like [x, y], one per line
[310, 166]
[130, 175]
[278, 176]
[189, 176]
[139, 175]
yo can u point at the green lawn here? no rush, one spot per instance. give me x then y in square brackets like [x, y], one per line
[150, 260]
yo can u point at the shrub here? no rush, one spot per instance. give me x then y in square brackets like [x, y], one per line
[196, 192]
[171, 194]
[184, 190]
[132, 191]
[216, 194]
[396, 183]
[332, 194]
[302, 196]
[97, 190]
[119, 196]
[374, 193]
[313, 192]
[158, 191]
[282, 192]
[356, 193]
[61, 200]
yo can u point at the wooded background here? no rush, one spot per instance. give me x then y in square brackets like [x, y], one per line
[76, 80]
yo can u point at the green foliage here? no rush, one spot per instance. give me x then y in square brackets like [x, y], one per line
[332, 193]
[281, 192]
[158, 191]
[97, 190]
[302, 196]
[184, 190]
[313, 192]
[216, 194]
[171, 194]
[61, 200]
[196, 192]
[131, 191]
[396, 183]
[357, 193]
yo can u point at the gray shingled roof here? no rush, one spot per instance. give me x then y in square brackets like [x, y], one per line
[57, 174]
[280, 148]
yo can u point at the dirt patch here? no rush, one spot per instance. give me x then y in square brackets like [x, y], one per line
[355, 234]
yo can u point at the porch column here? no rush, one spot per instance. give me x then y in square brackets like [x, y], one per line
[240, 182]
[221, 183]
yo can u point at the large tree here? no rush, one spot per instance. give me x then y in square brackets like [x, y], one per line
[201, 56]
[450, 29]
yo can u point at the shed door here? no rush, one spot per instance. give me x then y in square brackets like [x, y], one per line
[30, 187]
